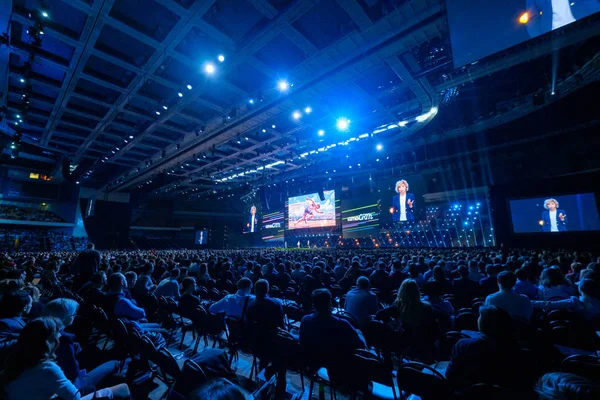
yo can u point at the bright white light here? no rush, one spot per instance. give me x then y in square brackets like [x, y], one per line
[379, 147]
[130, 136]
[283, 85]
[209, 68]
[158, 113]
[296, 115]
[165, 107]
[343, 124]
[221, 58]
[273, 126]
[189, 87]
[308, 110]
[44, 14]
[18, 116]
[321, 132]
[251, 101]
[264, 131]
[552, 93]
[77, 183]
[428, 115]
[180, 94]
[22, 80]
[402, 123]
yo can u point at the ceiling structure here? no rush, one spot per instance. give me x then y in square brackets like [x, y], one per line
[135, 94]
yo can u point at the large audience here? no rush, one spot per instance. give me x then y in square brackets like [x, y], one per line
[438, 323]
[13, 212]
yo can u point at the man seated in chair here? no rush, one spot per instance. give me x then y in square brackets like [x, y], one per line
[492, 357]
[327, 341]
[234, 305]
[517, 305]
[361, 302]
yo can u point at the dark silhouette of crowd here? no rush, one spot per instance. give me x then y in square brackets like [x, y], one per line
[435, 323]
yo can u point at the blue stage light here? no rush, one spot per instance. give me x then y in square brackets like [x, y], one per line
[283, 85]
[343, 124]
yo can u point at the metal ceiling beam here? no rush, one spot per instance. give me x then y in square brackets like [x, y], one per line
[89, 35]
[357, 14]
[171, 41]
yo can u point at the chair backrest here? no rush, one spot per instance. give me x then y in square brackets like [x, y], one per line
[422, 380]
[345, 315]
[448, 341]
[583, 365]
[120, 333]
[167, 363]
[378, 335]
[266, 391]
[192, 377]
[293, 312]
[466, 321]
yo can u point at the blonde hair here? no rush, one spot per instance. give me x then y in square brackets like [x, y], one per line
[549, 201]
[401, 181]
[61, 308]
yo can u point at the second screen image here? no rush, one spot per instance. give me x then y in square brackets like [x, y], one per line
[309, 211]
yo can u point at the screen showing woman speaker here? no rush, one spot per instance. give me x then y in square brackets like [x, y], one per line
[555, 214]
[403, 204]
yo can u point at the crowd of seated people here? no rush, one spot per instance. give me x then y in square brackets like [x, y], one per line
[12, 240]
[505, 319]
[12, 212]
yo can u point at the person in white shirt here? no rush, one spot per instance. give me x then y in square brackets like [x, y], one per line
[554, 219]
[253, 224]
[517, 305]
[547, 15]
[403, 205]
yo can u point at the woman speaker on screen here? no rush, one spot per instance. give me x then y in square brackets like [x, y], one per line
[553, 219]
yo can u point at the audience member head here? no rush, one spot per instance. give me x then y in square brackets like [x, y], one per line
[63, 309]
[91, 246]
[495, 323]
[188, 285]
[116, 282]
[506, 280]
[589, 288]
[433, 289]
[131, 278]
[15, 304]
[552, 277]
[174, 274]
[261, 288]
[564, 386]
[438, 274]
[363, 283]
[408, 300]
[219, 389]
[148, 268]
[37, 342]
[244, 285]
[491, 270]
[397, 265]
[463, 271]
[321, 301]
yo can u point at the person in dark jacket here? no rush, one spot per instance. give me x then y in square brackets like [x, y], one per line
[13, 307]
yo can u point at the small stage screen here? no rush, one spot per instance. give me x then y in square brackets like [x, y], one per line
[273, 227]
[309, 211]
[201, 236]
[565, 213]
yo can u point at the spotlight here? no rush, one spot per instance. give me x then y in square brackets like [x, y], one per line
[130, 136]
[524, 18]
[44, 14]
[296, 115]
[308, 110]
[157, 112]
[165, 108]
[321, 132]
[264, 131]
[343, 124]
[77, 183]
[22, 80]
[553, 93]
[209, 68]
[221, 58]
[180, 94]
[379, 147]
[283, 85]
[251, 101]
[189, 87]
[273, 126]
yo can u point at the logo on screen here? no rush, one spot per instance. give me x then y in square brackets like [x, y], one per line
[273, 225]
[361, 217]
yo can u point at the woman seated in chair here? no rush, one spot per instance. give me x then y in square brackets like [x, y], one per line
[415, 320]
[554, 285]
[65, 310]
[32, 374]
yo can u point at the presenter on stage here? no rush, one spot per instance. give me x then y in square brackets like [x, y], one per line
[253, 224]
[554, 219]
[404, 204]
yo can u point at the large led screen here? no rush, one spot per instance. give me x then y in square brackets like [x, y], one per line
[479, 28]
[309, 211]
[273, 227]
[360, 217]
